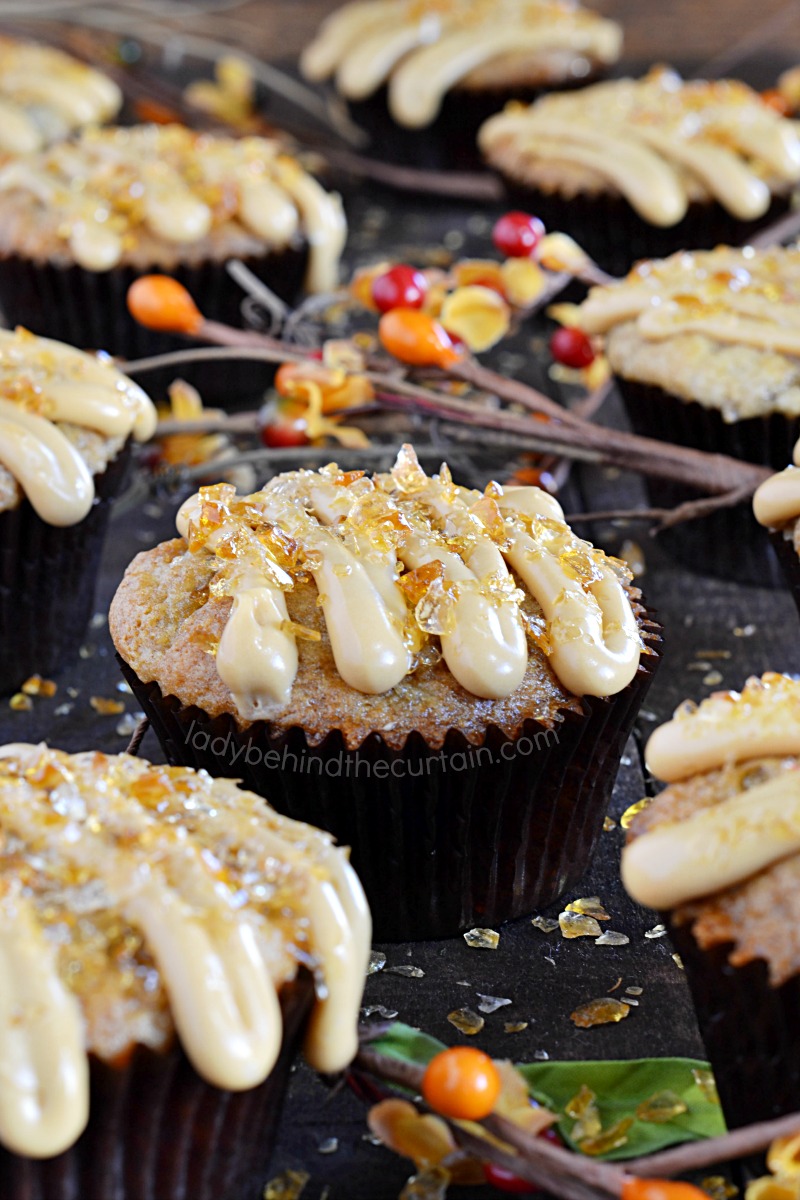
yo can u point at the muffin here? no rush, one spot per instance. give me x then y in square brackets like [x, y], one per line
[66, 420]
[636, 168]
[718, 852]
[776, 506]
[80, 221]
[705, 349]
[162, 934]
[421, 77]
[45, 95]
[357, 649]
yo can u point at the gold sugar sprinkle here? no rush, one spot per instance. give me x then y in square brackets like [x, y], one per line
[612, 938]
[656, 932]
[482, 939]
[574, 925]
[545, 924]
[718, 1187]
[608, 1140]
[604, 1011]
[515, 1026]
[584, 1111]
[632, 811]
[661, 1107]
[289, 1185]
[20, 702]
[466, 1021]
[608, 824]
[676, 958]
[591, 906]
[36, 686]
[106, 707]
[706, 1083]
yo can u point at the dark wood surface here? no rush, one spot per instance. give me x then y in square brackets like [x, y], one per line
[545, 977]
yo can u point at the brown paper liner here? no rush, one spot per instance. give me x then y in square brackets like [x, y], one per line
[616, 237]
[157, 1131]
[749, 1029]
[442, 840]
[88, 309]
[783, 546]
[47, 581]
[729, 544]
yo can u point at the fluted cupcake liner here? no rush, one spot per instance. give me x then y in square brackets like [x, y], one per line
[450, 142]
[442, 839]
[47, 581]
[157, 1131]
[729, 544]
[783, 545]
[88, 309]
[749, 1029]
[616, 237]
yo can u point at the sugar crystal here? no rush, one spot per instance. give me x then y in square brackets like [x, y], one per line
[604, 1011]
[482, 939]
[574, 925]
[466, 1021]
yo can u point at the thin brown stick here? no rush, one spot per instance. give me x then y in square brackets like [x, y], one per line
[782, 230]
[666, 518]
[693, 1156]
[138, 733]
[461, 184]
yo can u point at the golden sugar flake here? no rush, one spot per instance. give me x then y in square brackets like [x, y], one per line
[515, 1026]
[482, 939]
[407, 474]
[591, 906]
[36, 686]
[289, 1185]
[545, 924]
[575, 925]
[661, 1107]
[106, 707]
[718, 1187]
[19, 702]
[466, 1021]
[301, 631]
[584, 1111]
[608, 824]
[705, 1081]
[610, 1139]
[604, 1011]
[632, 811]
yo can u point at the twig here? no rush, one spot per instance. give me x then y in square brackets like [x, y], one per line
[138, 733]
[765, 33]
[666, 518]
[462, 185]
[752, 1139]
[778, 232]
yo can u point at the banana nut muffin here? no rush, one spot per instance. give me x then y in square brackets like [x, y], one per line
[637, 168]
[421, 75]
[399, 617]
[66, 419]
[81, 220]
[143, 904]
[46, 94]
[719, 851]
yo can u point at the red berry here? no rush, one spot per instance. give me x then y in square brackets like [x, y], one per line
[279, 429]
[517, 234]
[506, 1181]
[572, 347]
[401, 287]
[551, 1135]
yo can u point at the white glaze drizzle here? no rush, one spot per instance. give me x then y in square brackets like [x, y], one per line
[106, 184]
[763, 720]
[471, 601]
[659, 141]
[49, 382]
[423, 50]
[213, 954]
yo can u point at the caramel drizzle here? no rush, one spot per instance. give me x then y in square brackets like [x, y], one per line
[353, 535]
[52, 383]
[208, 949]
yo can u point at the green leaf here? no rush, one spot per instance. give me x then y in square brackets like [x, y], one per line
[620, 1085]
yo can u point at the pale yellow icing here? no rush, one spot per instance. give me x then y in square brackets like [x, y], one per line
[423, 49]
[355, 535]
[43, 383]
[715, 848]
[111, 187]
[220, 961]
[45, 94]
[763, 720]
[658, 141]
[777, 500]
[733, 297]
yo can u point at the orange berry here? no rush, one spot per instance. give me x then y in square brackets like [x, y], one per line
[635, 1188]
[160, 302]
[462, 1083]
[415, 338]
[774, 98]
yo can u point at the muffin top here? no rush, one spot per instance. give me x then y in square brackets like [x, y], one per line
[331, 600]
[64, 415]
[45, 94]
[658, 141]
[721, 845]
[423, 48]
[139, 901]
[721, 327]
[163, 195]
